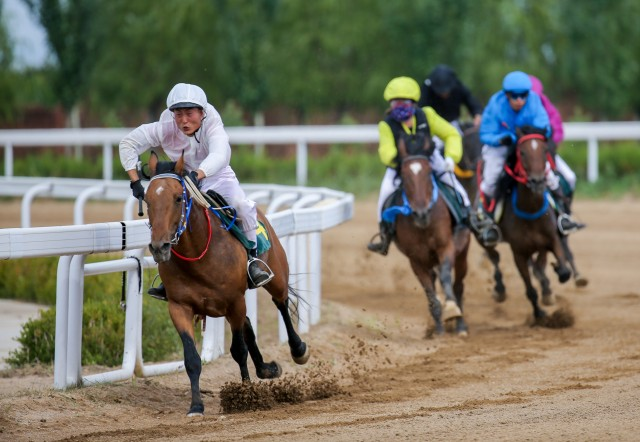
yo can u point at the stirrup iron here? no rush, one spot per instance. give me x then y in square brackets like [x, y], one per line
[268, 271]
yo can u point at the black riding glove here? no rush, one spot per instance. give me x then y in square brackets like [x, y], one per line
[194, 177]
[137, 189]
[506, 141]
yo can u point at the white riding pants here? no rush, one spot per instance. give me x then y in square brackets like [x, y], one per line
[493, 159]
[229, 187]
[564, 169]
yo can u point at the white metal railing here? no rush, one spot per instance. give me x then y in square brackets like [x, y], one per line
[301, 136]
[307, 212]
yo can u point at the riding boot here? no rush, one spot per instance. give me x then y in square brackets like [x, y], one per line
[566, 224]
[483, 227]
[385, 234]
[256, 275]
[158, 292]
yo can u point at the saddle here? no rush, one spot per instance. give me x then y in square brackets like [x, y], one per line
[227, 214]
[396, 204]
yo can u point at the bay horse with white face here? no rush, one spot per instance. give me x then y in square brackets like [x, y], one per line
[528, 223]
[204, 270]
[427, 237]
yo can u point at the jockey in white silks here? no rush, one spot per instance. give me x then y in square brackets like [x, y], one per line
[192, 126]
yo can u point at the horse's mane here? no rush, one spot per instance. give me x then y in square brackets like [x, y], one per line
[418, 144]
[165, 167]
[529, 130]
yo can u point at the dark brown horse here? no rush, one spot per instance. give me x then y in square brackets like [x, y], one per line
[471, 154]
[204, 270]
[426, 236]
[528, 224]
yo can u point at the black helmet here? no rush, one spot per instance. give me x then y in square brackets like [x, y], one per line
[442, 79]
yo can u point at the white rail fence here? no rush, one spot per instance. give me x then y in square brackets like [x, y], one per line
[307, 213]
[301, 136]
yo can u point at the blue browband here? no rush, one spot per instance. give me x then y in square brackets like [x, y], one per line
[389, 215]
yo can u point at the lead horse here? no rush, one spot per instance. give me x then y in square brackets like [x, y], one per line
[204, 270]
[427, 237]
[528, 224]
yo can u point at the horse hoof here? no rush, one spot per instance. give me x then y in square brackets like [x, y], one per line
[196, 410]
[463, 334]
[301, 360]
[272, 370]
[195, 414]
[563, 274]
[499, 296]
[451, 311]
[548, 299]
[581, 281]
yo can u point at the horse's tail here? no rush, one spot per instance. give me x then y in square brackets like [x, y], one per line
[294, 307]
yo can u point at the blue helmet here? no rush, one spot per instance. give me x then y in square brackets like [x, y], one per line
[516, 81]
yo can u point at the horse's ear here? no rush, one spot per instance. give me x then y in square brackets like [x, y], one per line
[153, 163]
[179, 165]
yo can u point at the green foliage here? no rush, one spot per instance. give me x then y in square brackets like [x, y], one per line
[119, 58]
[37, 341]
[32, 280]
[103, 320]
[350, 168]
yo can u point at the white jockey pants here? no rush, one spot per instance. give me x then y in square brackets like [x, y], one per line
[390, 183]
[494, 158]
[564, 170]
[229, 187]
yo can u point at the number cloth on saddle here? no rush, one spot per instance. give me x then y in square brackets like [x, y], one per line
[227, 215]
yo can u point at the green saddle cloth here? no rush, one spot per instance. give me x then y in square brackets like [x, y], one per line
[262, 237]
[453, 201]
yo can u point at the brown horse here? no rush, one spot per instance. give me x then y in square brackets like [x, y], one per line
[204, 270]
[427, 237]
[471, 154]
[528, 224]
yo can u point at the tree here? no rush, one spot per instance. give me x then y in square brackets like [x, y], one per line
[7, 80]
[69, 25]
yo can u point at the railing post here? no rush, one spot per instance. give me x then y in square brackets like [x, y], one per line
[592, 160]
[301, 163]
[62, 321]
[107, 161]
[8, 160]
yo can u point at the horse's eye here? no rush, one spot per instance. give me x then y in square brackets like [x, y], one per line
[179, 200]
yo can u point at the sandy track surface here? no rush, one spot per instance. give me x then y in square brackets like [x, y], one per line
[506, 381]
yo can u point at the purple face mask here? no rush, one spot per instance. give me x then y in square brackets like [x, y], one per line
[402, 112]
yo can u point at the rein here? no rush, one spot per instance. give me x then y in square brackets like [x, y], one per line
[187, 203]
[526, 215]
[518, 172]
[434, 185]
[520, 175]
[184, 258]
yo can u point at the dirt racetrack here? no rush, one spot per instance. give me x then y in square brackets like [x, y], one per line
[506, 381]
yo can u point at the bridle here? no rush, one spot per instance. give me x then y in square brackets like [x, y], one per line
[185, 212]
[520, 175]
[434, 184]
[518, 172]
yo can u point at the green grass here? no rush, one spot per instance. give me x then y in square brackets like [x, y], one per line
[103, 319]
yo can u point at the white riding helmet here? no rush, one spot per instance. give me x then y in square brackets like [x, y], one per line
[184, 95]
